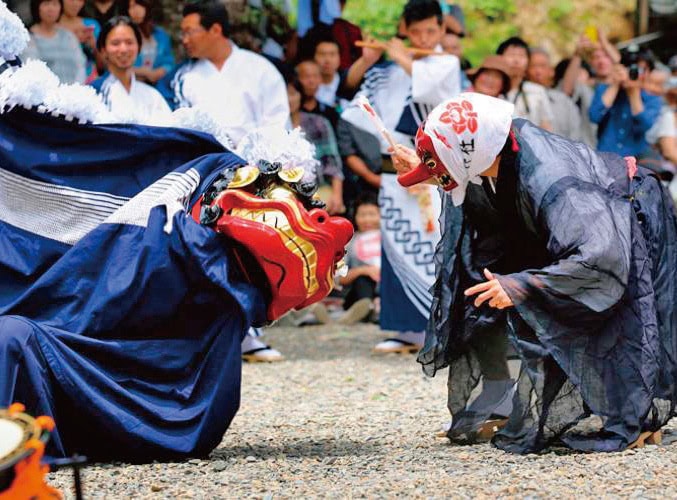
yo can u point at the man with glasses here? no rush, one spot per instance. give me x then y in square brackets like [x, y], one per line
[239, 88]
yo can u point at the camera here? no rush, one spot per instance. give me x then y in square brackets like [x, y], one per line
[630, 59]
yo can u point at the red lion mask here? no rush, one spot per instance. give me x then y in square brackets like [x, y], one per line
[271, 212]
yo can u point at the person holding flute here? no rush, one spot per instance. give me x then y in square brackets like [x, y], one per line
[402, 92]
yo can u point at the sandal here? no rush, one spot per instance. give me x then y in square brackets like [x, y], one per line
[265, 354]
[397, 345]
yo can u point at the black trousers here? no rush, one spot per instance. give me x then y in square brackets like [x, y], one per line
[362, 288]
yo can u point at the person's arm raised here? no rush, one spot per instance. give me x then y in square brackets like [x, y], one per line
[370, 56]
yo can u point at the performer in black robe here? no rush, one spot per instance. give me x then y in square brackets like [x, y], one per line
[569, 253]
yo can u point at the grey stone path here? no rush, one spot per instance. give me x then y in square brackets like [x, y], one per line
[336, 421]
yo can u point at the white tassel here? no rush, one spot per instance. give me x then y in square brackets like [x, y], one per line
[13, 34]
[27, 86]
[276, 144]
[201, 120]
[77, 102]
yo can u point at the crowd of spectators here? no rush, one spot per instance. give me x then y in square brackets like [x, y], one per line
[623, 103]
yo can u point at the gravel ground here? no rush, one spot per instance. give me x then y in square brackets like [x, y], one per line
[336, 421]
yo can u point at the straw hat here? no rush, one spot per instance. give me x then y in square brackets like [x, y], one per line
[496, 63]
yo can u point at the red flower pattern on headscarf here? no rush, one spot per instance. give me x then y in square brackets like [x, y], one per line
[460, 116]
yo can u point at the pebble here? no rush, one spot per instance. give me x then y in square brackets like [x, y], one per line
[219, 465]
[334, 420]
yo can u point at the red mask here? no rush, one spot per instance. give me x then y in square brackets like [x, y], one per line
[298, 249]
[430, 167]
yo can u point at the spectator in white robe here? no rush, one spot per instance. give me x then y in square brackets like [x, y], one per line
[661, 155]
[403, 93]
[241, 89]
[126, 97]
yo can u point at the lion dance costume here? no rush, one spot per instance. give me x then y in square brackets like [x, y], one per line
[133, 260]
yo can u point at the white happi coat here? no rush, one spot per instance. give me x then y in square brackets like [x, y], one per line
[142, 104]
[403, 99]
[246, 93]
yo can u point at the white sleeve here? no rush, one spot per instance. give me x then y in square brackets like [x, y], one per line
[435, 78]
[273, 100]
[160, 108]
[666, 123]
[664, 126]
[544, 110]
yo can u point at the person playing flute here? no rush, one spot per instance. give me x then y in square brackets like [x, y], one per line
[402, 92]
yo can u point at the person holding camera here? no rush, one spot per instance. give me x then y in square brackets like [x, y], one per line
[622, 110]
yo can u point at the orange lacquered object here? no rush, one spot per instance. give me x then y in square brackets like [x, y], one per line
[22, 446]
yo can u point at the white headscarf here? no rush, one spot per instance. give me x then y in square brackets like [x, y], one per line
[467, 133]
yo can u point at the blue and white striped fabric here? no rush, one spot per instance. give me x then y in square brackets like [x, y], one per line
[119, 315]
[408, 267]
[407, 270]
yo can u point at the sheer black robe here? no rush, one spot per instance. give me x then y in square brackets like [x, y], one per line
[588, 256]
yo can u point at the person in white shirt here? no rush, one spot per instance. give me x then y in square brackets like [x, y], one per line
[566, 117]
[530, 99]
[402, 93]
[128, 99]
[241, 89]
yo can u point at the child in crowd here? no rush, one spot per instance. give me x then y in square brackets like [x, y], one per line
[530, 99]
[320, 133]
[328, 58]
[310, 78]
[363, 258]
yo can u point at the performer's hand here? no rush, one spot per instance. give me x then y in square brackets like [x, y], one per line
[490, 290]
[404, 158]
[417, 189]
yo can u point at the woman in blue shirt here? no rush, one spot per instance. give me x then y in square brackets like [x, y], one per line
[156, 58]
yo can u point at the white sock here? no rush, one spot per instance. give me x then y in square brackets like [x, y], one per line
[249, 343]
